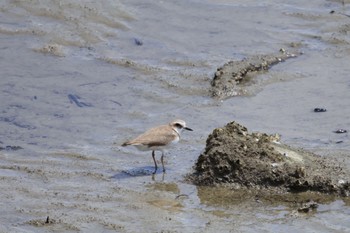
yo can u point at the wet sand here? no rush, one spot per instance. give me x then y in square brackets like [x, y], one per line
[74, 85]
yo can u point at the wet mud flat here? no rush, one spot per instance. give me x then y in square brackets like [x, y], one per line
[101, 83]
[49, 193]
[260, 164]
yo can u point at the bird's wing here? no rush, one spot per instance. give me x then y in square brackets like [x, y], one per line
[158, 136]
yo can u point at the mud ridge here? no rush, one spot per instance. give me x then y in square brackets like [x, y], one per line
[228, 79]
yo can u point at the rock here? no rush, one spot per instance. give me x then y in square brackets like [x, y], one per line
[239, 159]
[138, 42]
[320, 110]
[308, 207]
[340, 131]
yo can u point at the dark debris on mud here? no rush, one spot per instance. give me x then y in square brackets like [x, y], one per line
[55, 225]
[42, 222]
[241, 160]
[10, 148]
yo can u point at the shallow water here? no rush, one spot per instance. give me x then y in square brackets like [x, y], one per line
[79, 78]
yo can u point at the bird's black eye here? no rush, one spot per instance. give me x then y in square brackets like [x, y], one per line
[178, 125]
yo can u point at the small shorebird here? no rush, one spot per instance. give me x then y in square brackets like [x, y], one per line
[159, 138]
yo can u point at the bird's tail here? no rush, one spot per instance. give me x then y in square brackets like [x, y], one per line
[126, 144]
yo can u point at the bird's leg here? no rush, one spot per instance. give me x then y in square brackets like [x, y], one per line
[161, 159]
[155, 163]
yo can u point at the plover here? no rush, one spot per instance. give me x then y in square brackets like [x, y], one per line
[159, 138]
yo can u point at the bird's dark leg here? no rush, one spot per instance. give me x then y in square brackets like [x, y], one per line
[161, 159]
[155, 163]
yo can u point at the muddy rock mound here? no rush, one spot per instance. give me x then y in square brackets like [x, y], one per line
[242, 160]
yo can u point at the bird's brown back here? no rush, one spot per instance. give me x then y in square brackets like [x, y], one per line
[158, 136]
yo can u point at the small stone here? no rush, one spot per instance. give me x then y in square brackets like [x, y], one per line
[320, 110]
[341, 131]
[138, 42]
[308, 207]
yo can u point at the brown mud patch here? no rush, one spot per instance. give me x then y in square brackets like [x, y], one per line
[43, 222]
[53, 49]
[229, 79]
[56, 225]
[257, 162]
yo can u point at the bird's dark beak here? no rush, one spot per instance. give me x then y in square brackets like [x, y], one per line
[186, 128]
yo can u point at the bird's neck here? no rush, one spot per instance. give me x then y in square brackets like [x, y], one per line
[177, 131]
